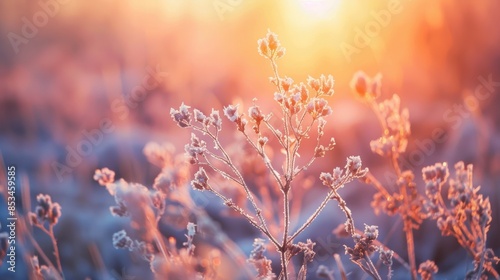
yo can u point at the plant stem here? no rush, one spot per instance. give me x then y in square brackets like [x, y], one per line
[284, 272]
[407, 223]
[56, 250]
[284, 246]
[372, 268]
[314, 215]
[343, 206]
[232, 205]
[39, 250]
[242, 182]
[411, 248]
[321, 207]
[340, 267]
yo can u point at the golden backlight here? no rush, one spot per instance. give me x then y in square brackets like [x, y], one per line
[319, 8]
[115, 90]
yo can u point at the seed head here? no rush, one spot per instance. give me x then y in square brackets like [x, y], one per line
[199, 116]
[427, 269]
[200, 181]
[215, 119]
[359, 83]
[104, 176]
[231, 112]
[121, 240]
[182, 116]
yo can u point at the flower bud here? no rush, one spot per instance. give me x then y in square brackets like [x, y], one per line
[231, 112]
[359, 83]
[272, 41]
[263, 48]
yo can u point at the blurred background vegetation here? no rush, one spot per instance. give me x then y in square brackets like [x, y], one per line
[79, 65]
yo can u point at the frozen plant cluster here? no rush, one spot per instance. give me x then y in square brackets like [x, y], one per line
[302, 115]
[266, 197]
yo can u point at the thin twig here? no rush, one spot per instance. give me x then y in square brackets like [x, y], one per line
[228, 202]
[319, 209]
[249, 194]
[340, 266]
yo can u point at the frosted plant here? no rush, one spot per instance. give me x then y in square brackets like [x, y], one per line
[363, 248]
[427, 269]
[303, 111]
[466, 216]
[168, 201]
[145, 207]
[261, 191]
[44, 272]
[399, 197]
[469, 216]
[45, 217]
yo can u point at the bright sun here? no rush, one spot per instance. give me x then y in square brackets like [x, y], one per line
[319, 8]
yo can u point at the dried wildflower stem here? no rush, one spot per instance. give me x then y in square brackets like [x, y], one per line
[320, 208]
[463, 235]
[228, 202]
[286, 117]
[340, 266]
[492, 271]
[296, 132]
[407, 222]
[313, 216]
[240, 180]
[411, 250]
[311, 161]
[395, 163]
[214, 156]
[373, 271]
[226, 243]
[56, 250]
[266, 159]
[39, 250]
[343, 205]
[366, 269]
[469, 218]
[295, 105]
[284, 246]
[220, 171]
[459, 228]
[158, 239]
[284, 270]
[274, 132]
[289, 158]
[286, 222]
[395, 255]
[408, 228]
[479, 257]
[50, 233]
[483, 251]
